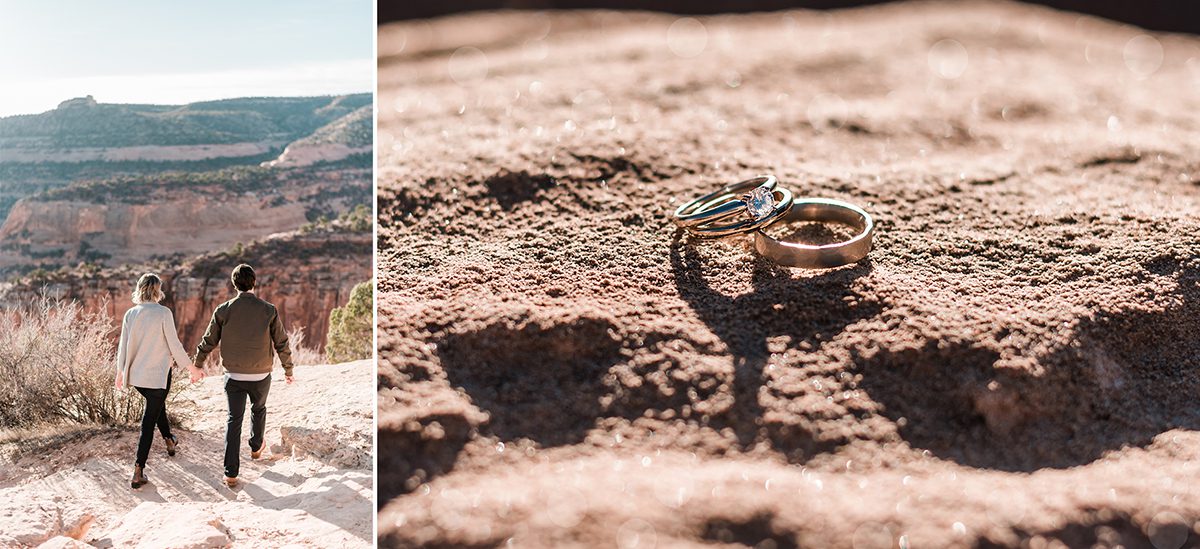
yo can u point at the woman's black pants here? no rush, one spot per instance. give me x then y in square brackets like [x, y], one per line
[155, 415]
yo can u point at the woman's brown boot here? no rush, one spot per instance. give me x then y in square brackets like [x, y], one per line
[139, 478]
[172, 442]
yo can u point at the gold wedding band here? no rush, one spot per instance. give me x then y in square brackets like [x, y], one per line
[808, 256]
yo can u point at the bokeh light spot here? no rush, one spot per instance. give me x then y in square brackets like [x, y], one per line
[687, 37]
[468, 65]
[948, 58]
[637, 534]
[1167, 530]
[1143, 55]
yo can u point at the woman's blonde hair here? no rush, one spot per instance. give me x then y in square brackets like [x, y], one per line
[148, 289]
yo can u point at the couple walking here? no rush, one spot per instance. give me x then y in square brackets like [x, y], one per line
[248, 330]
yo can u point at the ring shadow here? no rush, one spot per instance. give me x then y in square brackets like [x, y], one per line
[1124, 380]
[812, 309]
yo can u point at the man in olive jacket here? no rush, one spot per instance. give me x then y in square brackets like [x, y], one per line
[249, 331]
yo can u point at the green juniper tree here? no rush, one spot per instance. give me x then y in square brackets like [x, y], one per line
[350, 327]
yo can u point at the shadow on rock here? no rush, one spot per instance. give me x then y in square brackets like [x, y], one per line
[1122, 531]
[328, 500]
[1127, 377]
[947, 397]
[417, 451]
[812, 309]
[513, 188]
[755, 531]
[1138, 372]
[540, 381]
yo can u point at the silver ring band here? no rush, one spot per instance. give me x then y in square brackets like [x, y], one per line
[782, 202]
[794, 254]
[722, 203]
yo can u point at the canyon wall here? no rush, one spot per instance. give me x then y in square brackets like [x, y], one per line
[125, 232]
[133, 222]
[305, 274]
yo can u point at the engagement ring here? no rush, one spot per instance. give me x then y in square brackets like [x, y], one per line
[757, 199]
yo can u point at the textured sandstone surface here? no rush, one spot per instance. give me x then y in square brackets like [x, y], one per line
[294, 496]
[1016, 363]
[32, 522]
[63, 542]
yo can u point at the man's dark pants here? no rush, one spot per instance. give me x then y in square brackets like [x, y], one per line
[237, 392]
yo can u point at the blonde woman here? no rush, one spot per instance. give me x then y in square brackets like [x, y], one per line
[148, 346]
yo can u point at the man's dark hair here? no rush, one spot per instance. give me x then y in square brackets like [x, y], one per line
[243, 277]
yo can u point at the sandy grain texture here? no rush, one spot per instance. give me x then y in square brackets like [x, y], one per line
[1016, 363]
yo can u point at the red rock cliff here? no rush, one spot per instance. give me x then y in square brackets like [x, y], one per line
[304, 274]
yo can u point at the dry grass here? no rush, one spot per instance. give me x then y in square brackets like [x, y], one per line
[302, 355]
[58, 363]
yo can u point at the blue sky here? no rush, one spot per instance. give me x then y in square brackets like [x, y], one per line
[142, 51]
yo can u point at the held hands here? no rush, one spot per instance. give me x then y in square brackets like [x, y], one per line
[290, 379]
[197, 373]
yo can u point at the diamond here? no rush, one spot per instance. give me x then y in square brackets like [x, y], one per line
[760, 202]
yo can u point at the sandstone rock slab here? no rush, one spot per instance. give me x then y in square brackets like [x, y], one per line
[30, 522]
[64, 542]
[179, 525]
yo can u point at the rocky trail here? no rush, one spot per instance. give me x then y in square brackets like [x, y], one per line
[312, 488]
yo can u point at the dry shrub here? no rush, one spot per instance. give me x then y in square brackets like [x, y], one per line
[59, 364]
[302, 355]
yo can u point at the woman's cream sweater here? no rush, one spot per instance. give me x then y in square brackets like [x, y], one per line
[148, 344]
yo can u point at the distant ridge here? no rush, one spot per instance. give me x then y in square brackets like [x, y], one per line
[354, 130]
[83, 122]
